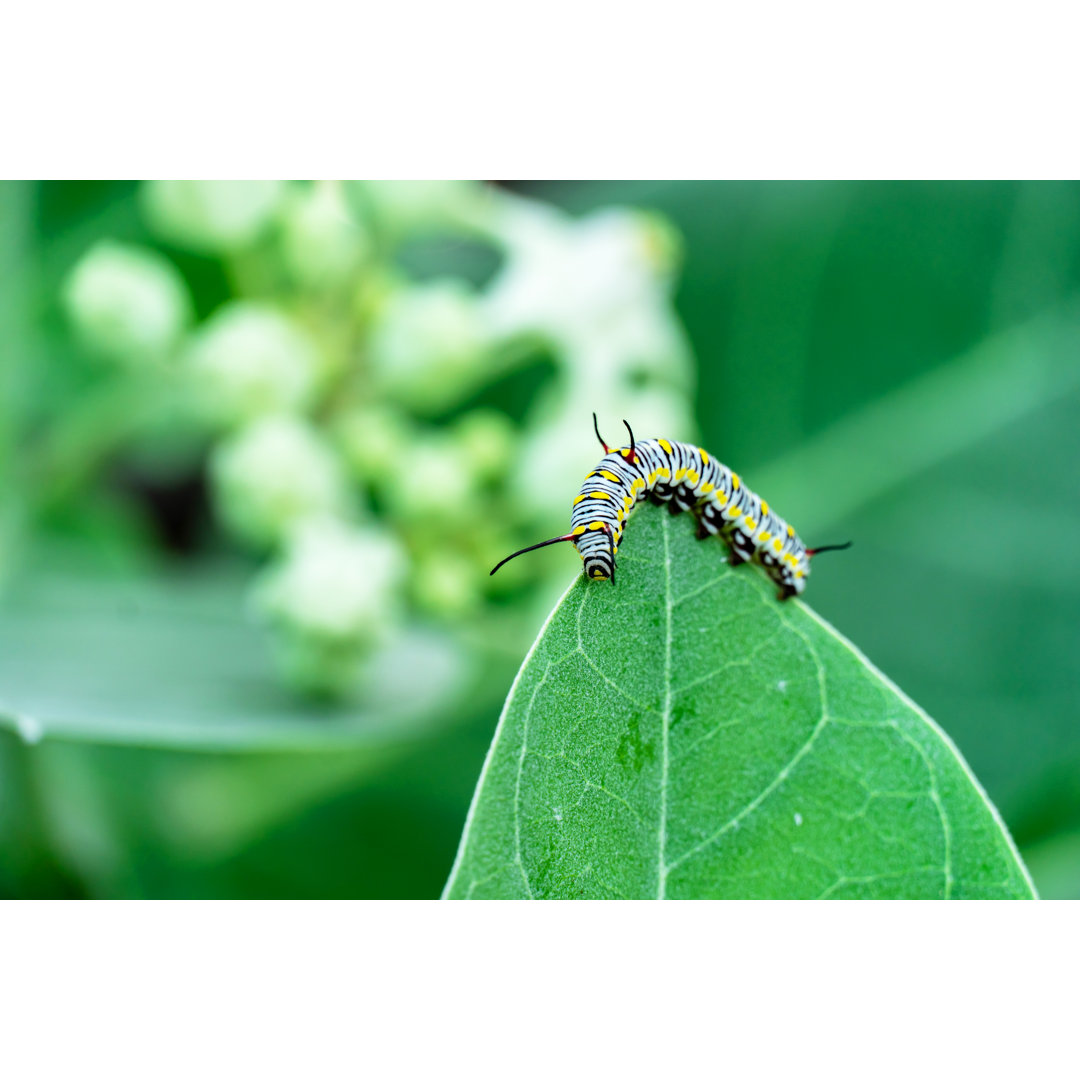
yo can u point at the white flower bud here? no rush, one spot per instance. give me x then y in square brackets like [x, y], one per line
[605, 279]
[322, 240]
[273, 474]
[250, 359]
[427, 345]
[402, 206]
[334, 580]
[330, 598]
[211, 216]
[128, 304]
[372, 440]
[433, 483]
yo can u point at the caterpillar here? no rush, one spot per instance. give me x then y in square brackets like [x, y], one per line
[685, 477]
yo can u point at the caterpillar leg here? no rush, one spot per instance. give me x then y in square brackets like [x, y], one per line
[683, 498]
[707, 524]
[740, 548]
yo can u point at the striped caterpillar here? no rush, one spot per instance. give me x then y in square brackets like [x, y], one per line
[686, 478]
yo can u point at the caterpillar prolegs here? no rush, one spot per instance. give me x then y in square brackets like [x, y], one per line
[686, 478]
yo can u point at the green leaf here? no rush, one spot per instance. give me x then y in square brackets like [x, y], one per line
[169, 660]
[684, 734]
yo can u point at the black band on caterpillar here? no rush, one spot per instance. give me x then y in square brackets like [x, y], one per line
[687, 478]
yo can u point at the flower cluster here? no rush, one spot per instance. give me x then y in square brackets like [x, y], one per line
[349, 398]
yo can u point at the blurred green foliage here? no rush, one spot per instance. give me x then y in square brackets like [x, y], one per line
[217, 399]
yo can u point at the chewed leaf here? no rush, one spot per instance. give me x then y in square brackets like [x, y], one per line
[684, 734]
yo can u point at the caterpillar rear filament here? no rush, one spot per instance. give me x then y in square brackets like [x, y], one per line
[686, 478]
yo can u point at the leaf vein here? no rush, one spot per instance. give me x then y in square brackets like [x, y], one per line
[783, 774]
[662, 868]
[935, 798]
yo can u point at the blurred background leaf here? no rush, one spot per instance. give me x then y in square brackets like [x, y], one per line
[189, 710]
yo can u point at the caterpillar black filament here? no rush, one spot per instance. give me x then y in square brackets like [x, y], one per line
[686, 478]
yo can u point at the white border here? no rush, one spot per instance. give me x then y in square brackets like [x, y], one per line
[844, 989]
[232, 89]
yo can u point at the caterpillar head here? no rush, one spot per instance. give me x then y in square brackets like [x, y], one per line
[597, 550]
[599, 566]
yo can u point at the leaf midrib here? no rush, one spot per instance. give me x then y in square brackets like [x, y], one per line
[665, 721]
